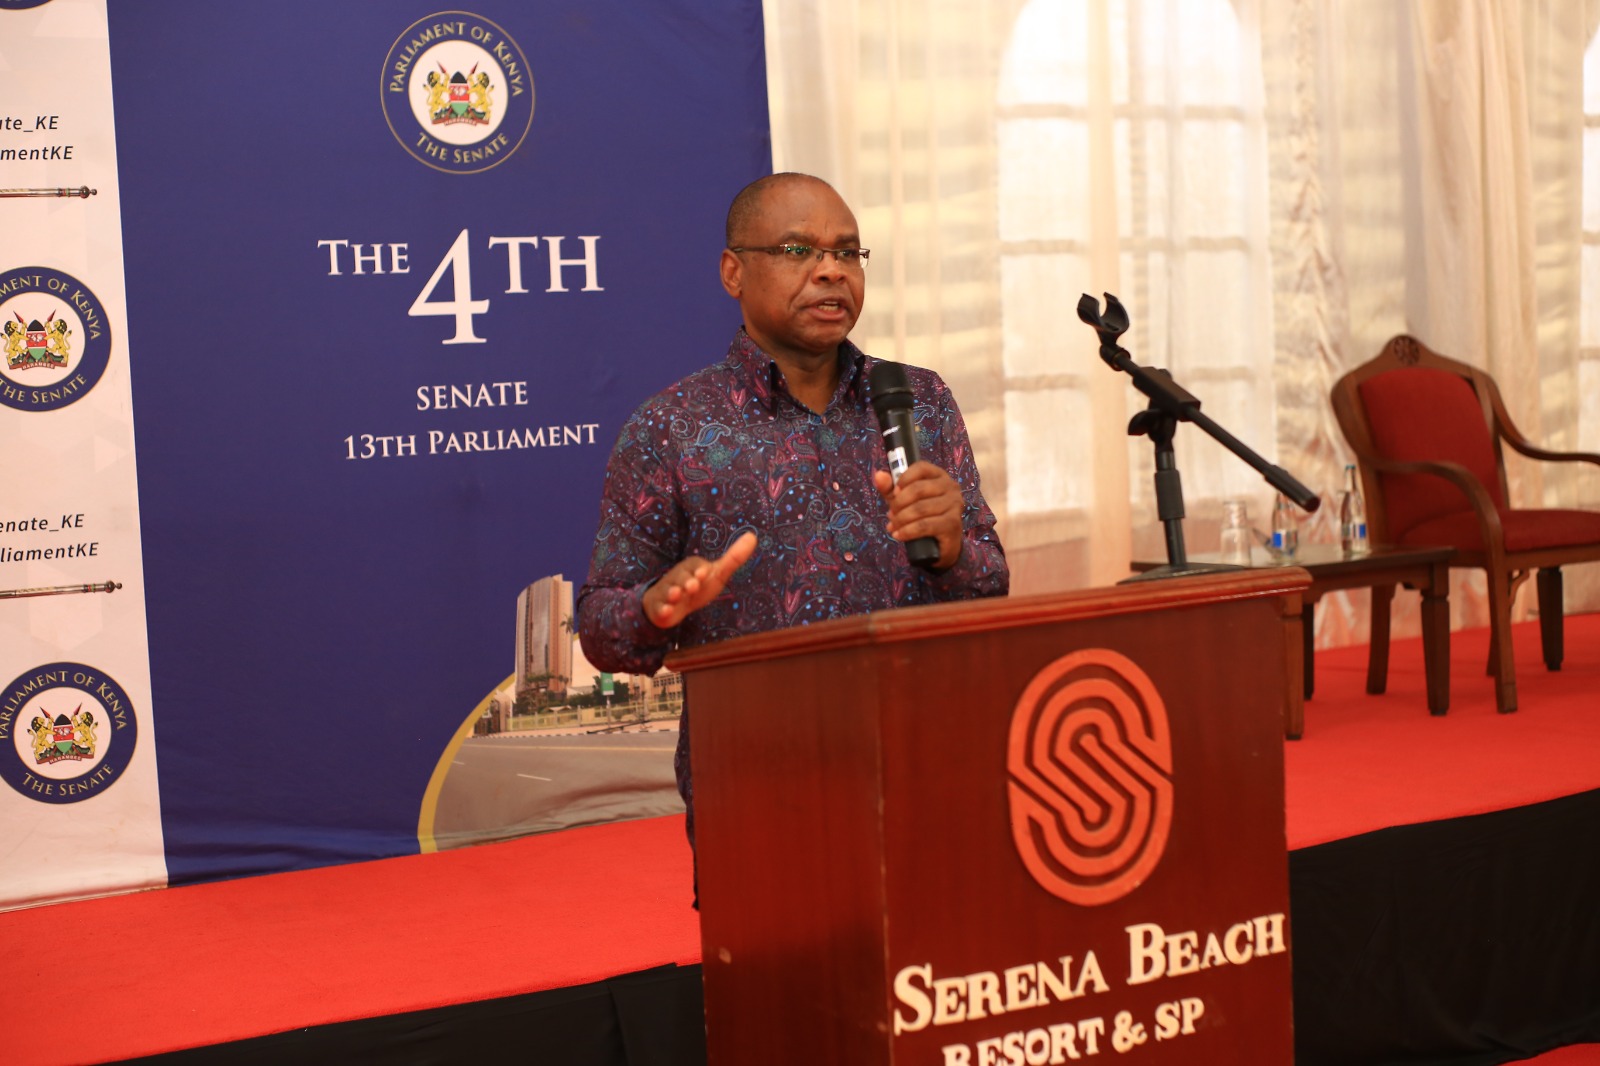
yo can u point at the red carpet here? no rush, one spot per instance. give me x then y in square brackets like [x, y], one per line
[205, 964]
[1576, 1055]
[1367, 762]
[212, 963]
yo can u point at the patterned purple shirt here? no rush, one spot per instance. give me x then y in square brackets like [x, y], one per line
[728, 449]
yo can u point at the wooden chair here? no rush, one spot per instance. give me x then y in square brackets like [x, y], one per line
[1427, 433]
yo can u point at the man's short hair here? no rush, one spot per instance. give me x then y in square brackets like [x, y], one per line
[745, 206]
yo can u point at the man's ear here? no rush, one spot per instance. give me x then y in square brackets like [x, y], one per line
[732, 274]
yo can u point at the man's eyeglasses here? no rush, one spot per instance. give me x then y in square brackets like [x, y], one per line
[850, 258]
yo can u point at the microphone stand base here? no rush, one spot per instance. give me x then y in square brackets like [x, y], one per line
[1181, 570]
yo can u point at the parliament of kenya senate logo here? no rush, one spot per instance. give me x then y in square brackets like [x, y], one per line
[57, 341]
[457, 92]
[72, 731]
[1089, 758]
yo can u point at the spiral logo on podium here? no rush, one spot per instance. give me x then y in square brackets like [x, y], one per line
[1090, 764]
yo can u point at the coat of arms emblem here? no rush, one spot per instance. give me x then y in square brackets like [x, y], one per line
[63, 738]
[459, 98]
[31, 345]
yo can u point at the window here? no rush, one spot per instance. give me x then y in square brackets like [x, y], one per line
[1172, 218]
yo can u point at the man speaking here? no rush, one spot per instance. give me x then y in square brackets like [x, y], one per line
[755, 494]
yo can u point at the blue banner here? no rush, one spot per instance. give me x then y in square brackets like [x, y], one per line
[395, 276]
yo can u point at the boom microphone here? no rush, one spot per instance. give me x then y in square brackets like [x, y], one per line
[892, 400]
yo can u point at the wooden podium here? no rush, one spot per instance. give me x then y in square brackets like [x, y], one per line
[1029, 830]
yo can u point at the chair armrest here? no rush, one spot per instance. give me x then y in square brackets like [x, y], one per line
[1458, 475]
[1477, 496]
[1523, 447]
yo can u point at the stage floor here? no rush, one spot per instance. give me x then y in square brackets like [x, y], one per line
[206, 964]
[1370, 762]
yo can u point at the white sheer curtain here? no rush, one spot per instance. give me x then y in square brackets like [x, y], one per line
[1272, 188]
[1130, 160]
[1427, 162]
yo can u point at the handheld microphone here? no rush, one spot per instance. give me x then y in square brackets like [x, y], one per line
[892, 400]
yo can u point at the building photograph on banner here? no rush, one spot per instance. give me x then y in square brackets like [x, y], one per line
[559, 743]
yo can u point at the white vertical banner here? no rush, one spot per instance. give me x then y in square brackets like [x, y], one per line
[80, 808]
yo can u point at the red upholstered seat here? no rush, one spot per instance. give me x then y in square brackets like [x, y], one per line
[1525, 531]
[1428, 434]
[1427, 414]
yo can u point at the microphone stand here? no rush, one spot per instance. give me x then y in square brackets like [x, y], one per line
[1169, 404]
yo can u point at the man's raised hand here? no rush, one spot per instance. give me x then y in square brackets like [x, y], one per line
[693, 583]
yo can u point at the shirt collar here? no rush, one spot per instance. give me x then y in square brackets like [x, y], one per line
[764, 377]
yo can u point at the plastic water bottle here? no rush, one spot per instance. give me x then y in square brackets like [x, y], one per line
[1285, 530]
[1352, 515]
